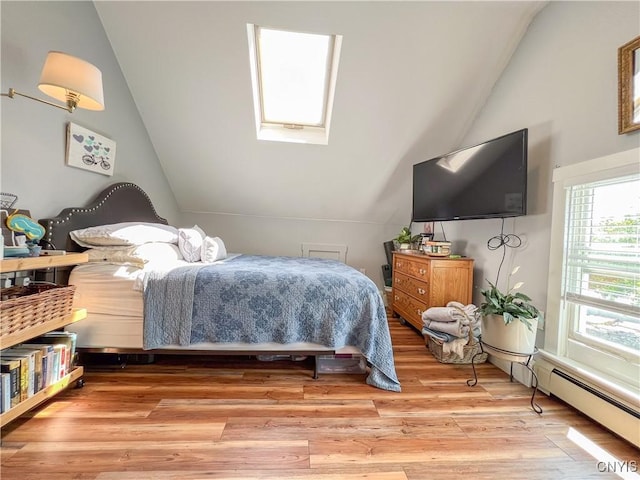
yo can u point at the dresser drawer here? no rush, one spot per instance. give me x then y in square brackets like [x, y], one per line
[416, 288]
[415, 267]
[409, 307]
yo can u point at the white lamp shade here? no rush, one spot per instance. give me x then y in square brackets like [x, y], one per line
[64, 73]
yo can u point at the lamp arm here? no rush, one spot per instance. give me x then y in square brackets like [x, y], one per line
[12, 92]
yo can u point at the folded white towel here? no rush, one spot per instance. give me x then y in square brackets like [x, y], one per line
[439, 314]
[468, 314]
[457, 304]
[456, 329]
[453, 312]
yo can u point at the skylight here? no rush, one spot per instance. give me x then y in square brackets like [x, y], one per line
[293, 77]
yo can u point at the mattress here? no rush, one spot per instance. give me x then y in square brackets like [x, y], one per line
[108, 289]
[112, 296]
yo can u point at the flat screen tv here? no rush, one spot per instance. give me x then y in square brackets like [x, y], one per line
[488, 180]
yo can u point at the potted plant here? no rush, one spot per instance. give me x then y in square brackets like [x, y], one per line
[509, 320]
[405, 240]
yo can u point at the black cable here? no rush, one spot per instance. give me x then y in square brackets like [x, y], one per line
[43, 241]
[510, 240]
[444, 236]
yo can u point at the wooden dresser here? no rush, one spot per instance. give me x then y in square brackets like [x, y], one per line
[421, 282]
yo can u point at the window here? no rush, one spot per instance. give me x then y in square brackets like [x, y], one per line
[293, 77]
[595, 305]
[602, 264]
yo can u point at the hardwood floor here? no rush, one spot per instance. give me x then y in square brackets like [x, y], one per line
[192, 418]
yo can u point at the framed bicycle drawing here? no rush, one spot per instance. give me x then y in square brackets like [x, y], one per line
[89, 150]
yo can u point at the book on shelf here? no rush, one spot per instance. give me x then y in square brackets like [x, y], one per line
[5, 392]
[68, 340]
[59, 357]
[35, 366]
[23, 378]
[47, 360]
[12, 367]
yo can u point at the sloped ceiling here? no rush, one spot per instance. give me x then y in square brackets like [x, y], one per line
[412, 76]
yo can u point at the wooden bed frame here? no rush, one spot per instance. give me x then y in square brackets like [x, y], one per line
[127, 202]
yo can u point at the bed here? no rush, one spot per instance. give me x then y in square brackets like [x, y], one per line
[235, 304]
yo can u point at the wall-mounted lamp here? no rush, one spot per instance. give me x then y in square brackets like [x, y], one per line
[68, 79]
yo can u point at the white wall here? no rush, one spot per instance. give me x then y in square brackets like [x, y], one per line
[33, 135]
[561, 83]
[283, 236]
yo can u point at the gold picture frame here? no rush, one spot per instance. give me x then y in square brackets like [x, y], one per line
[629, 86]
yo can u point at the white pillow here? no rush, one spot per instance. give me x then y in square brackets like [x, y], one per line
[190, 243]
[213, 249]
[137, 256]
[125, 233]
[156, 252]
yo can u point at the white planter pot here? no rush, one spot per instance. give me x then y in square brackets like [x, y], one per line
[514, 337]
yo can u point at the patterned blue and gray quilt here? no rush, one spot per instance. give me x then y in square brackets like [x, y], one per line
[255, 299]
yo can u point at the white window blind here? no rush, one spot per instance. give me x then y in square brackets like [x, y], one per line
[601, 271]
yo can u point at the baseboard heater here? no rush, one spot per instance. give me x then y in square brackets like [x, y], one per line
[612, 413]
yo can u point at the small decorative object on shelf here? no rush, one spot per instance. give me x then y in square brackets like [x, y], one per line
[29, 231]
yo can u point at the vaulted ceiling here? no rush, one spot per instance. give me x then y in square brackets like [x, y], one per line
[411, 79]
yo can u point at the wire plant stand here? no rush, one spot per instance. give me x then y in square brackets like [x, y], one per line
[523, 359]
[7, 200]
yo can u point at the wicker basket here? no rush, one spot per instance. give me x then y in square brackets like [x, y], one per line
[469, 351]
[26, 307]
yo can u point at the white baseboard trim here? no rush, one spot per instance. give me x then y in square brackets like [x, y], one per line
[614, 406]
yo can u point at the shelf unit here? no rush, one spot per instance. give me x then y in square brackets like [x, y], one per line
[40, 263]
[18, 264]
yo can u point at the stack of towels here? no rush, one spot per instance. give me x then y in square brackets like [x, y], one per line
[453, 325]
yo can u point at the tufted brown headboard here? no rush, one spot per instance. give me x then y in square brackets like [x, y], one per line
[120, 202]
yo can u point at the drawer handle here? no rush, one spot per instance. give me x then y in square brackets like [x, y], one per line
[422, 291]
[397, 297]
[422, 271]
[397, 280]
[419, 311]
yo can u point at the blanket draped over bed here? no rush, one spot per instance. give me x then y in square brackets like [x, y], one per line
[255, 299]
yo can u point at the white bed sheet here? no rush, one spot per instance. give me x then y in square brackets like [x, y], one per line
[108, 289]
[112, 295]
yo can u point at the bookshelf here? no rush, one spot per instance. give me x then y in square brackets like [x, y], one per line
[39, 263]
[42, 262]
